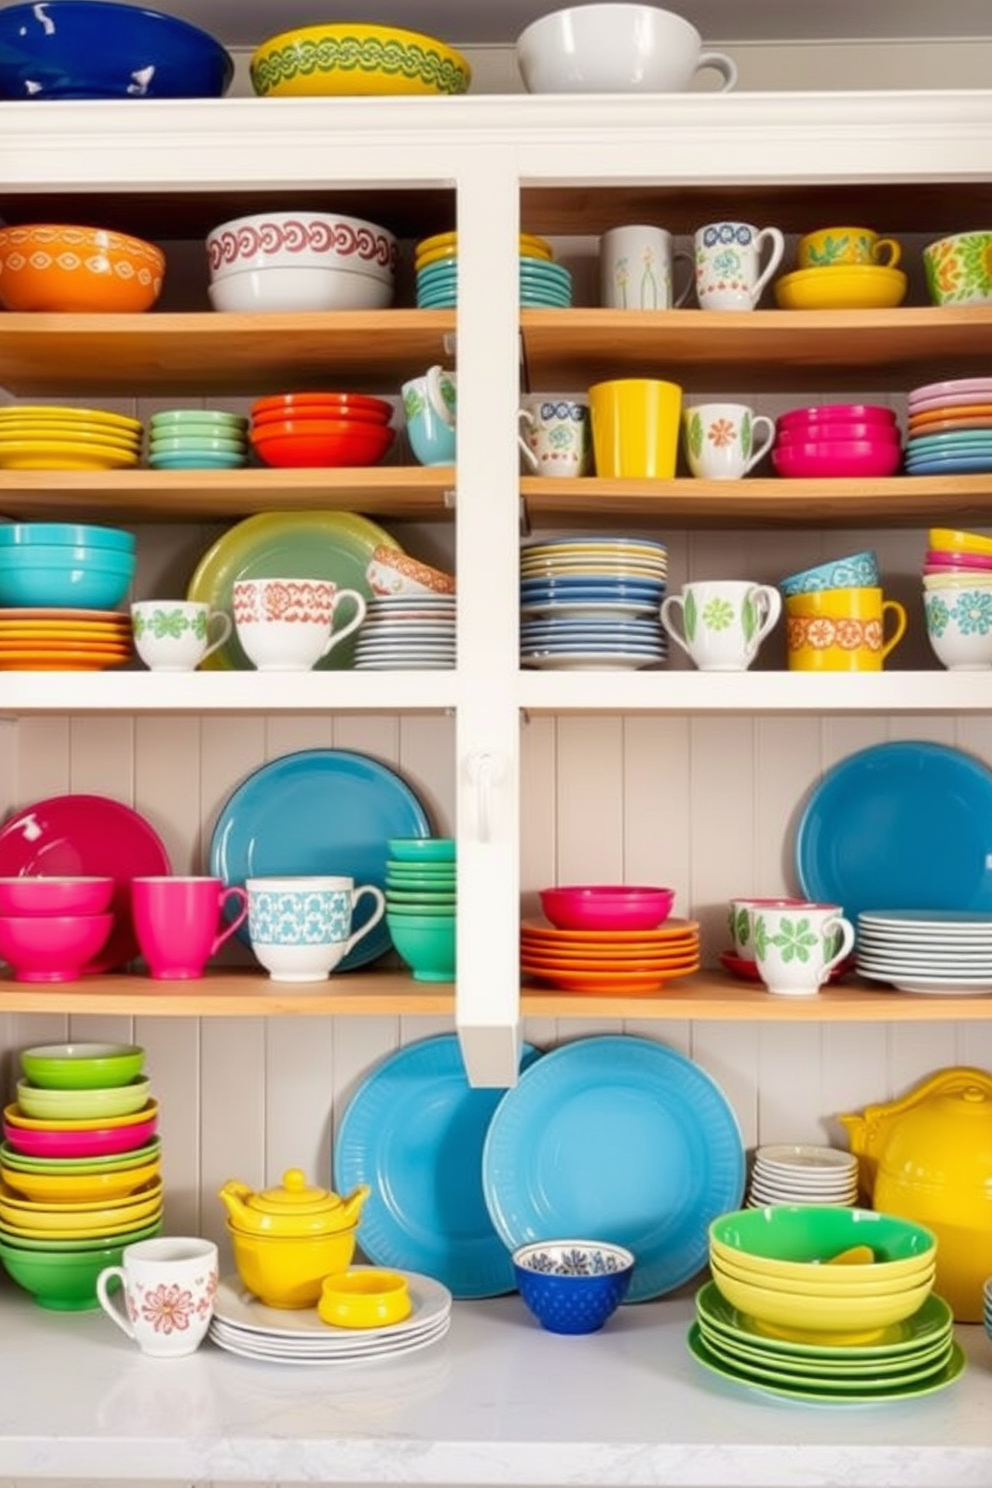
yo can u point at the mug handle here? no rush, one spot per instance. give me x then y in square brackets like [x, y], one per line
[722, 64]
[432, 379]
[770, 600]
[890, 247]
[892, 606]
[377, 913]
[773, 236]
[226, 625]
[760, 423]
[236, 893]
[107, 1303]
[525, 417]
[353, 624]
[846, 944]
[669, 605]
[680, 256]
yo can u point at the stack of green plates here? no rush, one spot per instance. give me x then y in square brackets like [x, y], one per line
[914, 1357]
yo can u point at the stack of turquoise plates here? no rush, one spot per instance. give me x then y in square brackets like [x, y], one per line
[544, 284]
[197, 439]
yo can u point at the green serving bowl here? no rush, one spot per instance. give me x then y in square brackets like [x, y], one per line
[792, 1241]
[82, 1066]
[62, 1280]
[426, 943]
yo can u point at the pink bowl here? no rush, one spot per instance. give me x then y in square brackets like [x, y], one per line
[941, 558]
[837, 413]
[55, 896]
[845, 433]
[838, 458]
[607, 906]
[98, 1142]
[52, 948]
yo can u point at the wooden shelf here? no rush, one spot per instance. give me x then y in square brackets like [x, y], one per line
[783, 350]
[411, 493]
[168, 353]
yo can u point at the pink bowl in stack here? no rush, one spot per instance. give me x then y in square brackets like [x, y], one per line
[837, 440]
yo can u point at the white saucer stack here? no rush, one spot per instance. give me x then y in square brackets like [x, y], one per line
[786, 1174]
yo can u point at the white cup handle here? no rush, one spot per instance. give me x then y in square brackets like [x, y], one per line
[225, 624]
[762, 424]
[525, 417]
[669, 605]
[353, 624]
[379, 911]
[770, 600]
[846, 944]
[774, 237]
[108, 1304]
[679, 256]
[432, 381]
[722, 64]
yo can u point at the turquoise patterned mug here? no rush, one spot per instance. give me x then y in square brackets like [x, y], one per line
[300, 928]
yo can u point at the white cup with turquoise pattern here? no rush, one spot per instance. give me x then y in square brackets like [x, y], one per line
[300, 928]
[175, 635]
[796, 947]
[722, 621]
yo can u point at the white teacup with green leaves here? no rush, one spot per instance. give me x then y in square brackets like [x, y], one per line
[723, 621]
[174, 635]
[723, 441]
[797, 946]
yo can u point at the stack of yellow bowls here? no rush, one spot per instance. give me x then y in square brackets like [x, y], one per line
[47, 437]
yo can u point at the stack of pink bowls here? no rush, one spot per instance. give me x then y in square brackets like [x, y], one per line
[51, 928]
[317, 430]
[837, 439]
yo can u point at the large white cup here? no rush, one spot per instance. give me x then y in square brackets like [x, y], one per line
[723, 441]
[287, 625]
[636, 269]
[796, 947]
[300, 928]
[175, 635]
[734, 262]
[168, 1287]
[723, 621]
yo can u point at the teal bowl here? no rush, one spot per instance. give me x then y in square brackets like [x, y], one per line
[421, 849]
[202, 443]
[63, 1281]
[197, 418]
[197, 462]
[66, 534]
[426, 943]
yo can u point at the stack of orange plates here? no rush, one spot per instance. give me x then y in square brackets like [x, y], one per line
[51, 640]
[49, 437]
[625, 962]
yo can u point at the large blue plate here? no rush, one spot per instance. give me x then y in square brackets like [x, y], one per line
[319, 811]
[905, 825]
[414, 1133]
[621, 1139]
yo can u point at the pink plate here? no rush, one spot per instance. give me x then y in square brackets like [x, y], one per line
[72, 836]
[954, 389]
[104, 1141]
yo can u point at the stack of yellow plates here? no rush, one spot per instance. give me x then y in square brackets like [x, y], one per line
[47, 437]
[50, 640]
[445, 245]
[842, 287]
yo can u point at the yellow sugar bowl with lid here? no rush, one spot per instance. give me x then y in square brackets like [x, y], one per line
[286, 1240]
[928, 1157]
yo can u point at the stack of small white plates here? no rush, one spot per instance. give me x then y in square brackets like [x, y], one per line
[785, 1174]
[401, 632]
[592, 602]
[927, 950]
[243, 1325]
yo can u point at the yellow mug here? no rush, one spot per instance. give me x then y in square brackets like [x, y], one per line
[635, 427]
[841, 630]
[829, 246]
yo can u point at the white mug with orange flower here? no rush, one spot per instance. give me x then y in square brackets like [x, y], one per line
[723, 441]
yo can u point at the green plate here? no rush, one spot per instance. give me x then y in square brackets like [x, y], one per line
[841, 1367]
[833, 1394]
[827, 1378]
[294, 545]
[933, 1320]
[11, 1158]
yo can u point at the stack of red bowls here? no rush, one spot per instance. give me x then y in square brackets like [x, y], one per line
[319, 430]
[837, 439]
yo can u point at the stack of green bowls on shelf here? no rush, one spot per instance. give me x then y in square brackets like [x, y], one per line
[421, 895]
[197, 439]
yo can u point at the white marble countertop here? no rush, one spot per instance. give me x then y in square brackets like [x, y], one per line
[497, 1402]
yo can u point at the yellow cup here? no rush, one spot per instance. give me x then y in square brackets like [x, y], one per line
[635, 427]
[829, 246]
[841, 630]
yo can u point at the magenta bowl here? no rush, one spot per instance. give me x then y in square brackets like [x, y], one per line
[846, 433]
[840, 458]
[837, 413]
[101, 1141]
[52, 948]
[607, 906]
[941, 558]
[55, 896]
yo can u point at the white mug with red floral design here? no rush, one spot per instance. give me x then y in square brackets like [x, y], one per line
[723, 441]
[168, 1286]
[287, 625]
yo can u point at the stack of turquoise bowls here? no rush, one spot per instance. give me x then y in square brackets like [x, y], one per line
[420, 890]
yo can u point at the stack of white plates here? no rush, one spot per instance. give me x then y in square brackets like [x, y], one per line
[401, 632]
[927, 950]
[785, 1174]
[243, 1325]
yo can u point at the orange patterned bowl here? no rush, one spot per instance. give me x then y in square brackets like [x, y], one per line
[77, 269]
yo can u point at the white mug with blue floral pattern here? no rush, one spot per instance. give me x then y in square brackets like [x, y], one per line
[734, 262]
[300, 928]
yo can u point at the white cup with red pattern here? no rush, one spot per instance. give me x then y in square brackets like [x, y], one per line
[167, 1288]
[288, 625]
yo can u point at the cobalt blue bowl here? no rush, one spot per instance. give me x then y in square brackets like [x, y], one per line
[572, 1286]
[101, 49]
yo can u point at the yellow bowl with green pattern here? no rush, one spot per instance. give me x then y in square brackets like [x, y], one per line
[356, 59]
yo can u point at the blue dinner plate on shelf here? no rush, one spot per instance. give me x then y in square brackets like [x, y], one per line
[318, 812]
[616, 1138]
[902, 825]
[414, 1132]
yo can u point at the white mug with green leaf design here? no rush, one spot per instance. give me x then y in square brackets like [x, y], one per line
[174, 635]
[723, 441]
[723, 621]
[796, 947]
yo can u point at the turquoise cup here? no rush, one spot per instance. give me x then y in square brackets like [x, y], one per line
[429, 406]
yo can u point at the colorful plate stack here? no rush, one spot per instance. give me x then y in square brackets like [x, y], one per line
[949, 429]
[47, 437]
[80, 1168]
[197, 439]
[318, 430]
[544, 284]
[800, 1174]
[421, 897]
[592, 602]
[403, 632]
[625, 963]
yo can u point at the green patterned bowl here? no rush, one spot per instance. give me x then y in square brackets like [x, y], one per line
[355, 59]
[959, 269]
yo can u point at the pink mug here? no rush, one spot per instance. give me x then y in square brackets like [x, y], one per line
[176, 921]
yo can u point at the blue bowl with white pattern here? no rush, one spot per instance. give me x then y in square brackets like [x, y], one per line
[572, 1286]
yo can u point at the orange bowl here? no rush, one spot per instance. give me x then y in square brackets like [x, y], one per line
[74, 270]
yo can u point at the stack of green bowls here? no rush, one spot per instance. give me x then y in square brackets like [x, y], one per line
[197, 439]
[421, 894]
